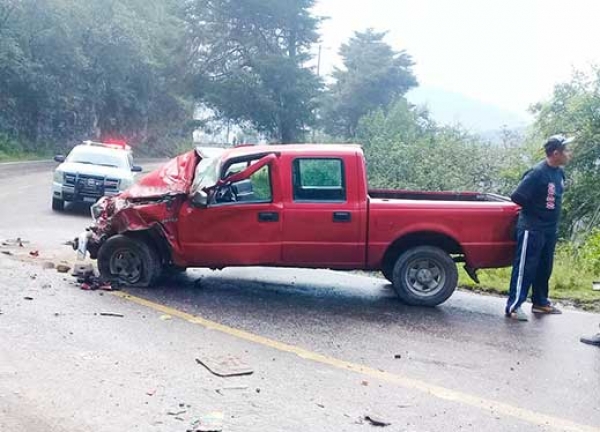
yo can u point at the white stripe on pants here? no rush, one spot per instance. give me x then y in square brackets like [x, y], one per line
[521, 269]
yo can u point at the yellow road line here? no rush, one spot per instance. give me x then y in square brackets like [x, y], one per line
[489, 405]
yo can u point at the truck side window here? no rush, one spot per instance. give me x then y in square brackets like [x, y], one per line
[319, 179]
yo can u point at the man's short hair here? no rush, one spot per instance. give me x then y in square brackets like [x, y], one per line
[556, 142]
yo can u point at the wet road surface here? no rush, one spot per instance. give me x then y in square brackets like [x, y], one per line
[327, 348]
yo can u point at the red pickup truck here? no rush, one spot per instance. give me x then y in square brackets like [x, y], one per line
[296, 206]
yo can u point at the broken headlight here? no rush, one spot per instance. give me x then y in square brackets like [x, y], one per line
[97, 209]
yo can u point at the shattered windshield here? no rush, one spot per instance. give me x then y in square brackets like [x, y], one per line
[206, 175]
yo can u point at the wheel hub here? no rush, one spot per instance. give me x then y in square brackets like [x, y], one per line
[424, 276]
[127, 265]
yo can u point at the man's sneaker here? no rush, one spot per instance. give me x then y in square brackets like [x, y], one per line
[592, 340]
[547, 309]
[517, 315]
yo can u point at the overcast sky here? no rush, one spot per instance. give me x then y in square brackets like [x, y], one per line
[509, 53]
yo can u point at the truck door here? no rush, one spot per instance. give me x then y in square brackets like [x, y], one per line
[238, 227]
[324, 219]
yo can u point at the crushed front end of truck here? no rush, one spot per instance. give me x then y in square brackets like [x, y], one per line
[149, 206]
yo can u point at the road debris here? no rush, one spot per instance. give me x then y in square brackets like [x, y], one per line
[375, 420]
[15, 242]
[211, 422]
[91, 282]
[96, 284]
[34, 253]
[28, 298]
[82, 270]
[111, 314]
[223, 390]
[225, 366]
[63, 268]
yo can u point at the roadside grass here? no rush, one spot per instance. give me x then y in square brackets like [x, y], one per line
[20, 157]
[571, 282]
[12, 150]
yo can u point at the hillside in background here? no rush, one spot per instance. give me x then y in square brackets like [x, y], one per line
[453, 108]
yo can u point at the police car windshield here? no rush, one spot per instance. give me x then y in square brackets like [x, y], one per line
[98, 156]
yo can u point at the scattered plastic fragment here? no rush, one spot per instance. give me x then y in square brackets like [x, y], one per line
[211, 422]
[225, 366]
[376, 420]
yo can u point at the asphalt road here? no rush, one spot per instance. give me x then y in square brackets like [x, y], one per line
[327, 348]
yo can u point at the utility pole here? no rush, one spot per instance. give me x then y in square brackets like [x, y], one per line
[319, 62]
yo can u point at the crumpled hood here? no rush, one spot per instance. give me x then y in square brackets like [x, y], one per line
[173, 178]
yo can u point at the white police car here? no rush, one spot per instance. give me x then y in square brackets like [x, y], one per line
[91, 171]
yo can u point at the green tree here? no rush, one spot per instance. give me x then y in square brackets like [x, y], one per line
[249, 61]
[373, 76]
[71, 70]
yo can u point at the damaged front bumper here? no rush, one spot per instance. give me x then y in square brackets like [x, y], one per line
[86, 242]
[80, 244]
[92, 238]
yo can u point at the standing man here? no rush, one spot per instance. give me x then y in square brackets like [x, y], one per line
[540, 196]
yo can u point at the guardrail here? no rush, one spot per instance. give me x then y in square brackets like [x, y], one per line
[10, 169]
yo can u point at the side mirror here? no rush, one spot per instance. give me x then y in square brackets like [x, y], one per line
[136, 168]
[200, 199]
[59, 158]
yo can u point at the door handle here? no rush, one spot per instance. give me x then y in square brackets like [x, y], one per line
[268, 217]
[342, 216]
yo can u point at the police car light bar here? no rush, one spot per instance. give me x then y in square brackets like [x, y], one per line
[115, 144]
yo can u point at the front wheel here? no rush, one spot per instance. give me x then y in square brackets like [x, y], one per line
[58, 204]
[424, 276]
[128, 261]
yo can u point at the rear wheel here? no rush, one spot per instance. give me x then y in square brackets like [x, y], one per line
[425, 276]
[58, 204]
[128, 261]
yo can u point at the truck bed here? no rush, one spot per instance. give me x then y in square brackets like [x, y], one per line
[434, 196]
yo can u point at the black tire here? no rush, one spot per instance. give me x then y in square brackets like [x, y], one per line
[129, 262]
[387, 270]
[58, 204]
[424, 276]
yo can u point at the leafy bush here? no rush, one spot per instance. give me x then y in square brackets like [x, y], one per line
[589, 253]
[574, 271]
